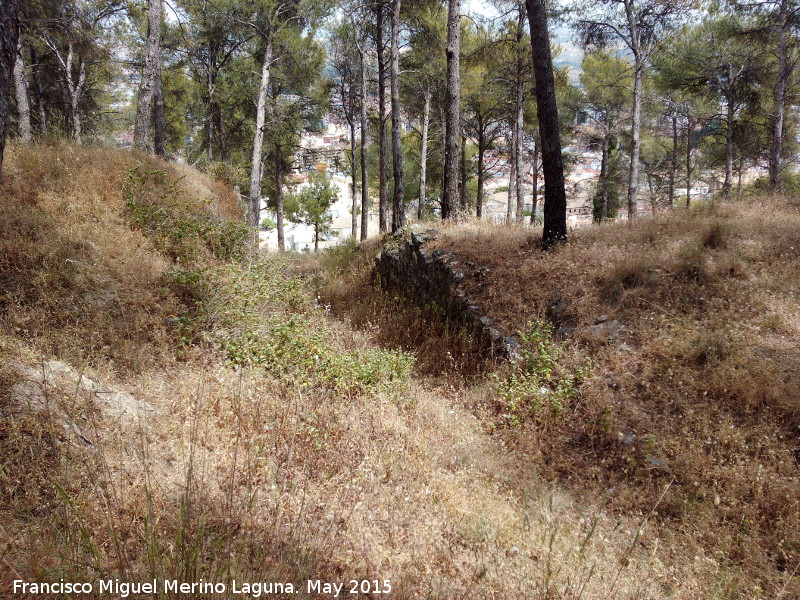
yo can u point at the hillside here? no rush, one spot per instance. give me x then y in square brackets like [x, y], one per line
[174, 409]
[690, 412]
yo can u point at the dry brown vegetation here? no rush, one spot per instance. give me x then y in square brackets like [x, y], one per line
[698, 390]
[172, 417]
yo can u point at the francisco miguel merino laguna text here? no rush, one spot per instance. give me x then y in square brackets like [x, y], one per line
[123, 589]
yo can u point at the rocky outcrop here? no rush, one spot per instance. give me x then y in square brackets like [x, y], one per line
[433, 278]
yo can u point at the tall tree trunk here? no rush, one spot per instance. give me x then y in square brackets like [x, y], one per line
[23, 105]
[398, 191]
[512, 175]
[211, 81]
[353, 172]
[9, 33]
[688, 159]
[364, 141]
[254, 196]
[423, 156]
[77, 93]
[555, 197]
[462, 188]
[159, 126]
[383, 185]
[636, 121]
[519, 117]
[535, 180]
[780, 92]
[726, 185]
[38, 92]
[279, 198]
[674, 162]
[481, 159]
[604, 173]
[142, 130]
[453, 110]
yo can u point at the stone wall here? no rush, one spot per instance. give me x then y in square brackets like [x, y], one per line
[405, 266]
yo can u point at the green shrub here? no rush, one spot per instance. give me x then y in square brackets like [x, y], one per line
[178, 228]
[538, 386]
[260, 316]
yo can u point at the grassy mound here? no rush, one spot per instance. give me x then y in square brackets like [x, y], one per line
[688, 324]
[173, 408]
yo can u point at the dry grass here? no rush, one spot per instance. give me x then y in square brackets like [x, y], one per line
[243, 472]
[701, 389]
[76, 280]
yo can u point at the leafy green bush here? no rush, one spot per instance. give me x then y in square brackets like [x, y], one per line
[260, 316]
[538, 386]
[177, 227]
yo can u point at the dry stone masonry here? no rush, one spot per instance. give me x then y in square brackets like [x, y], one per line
[434, 278]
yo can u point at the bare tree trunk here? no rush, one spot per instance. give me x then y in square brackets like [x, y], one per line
[9, 33]
[423, 155]
[512, 175]
[76, 94]
[636, 121]
[38, 92]
[604, 173]
[364, 141]
[398, 191]
[555, 197]
[462, 188]
[453, 110]
[23, 105]
[142, 130]
[481, 159]
[726, 185]
[535, 180]
[383, 185]
[159, 134]
[780, 92]
[674, 166]
[353, 175]
[688, 159]
[279, 198]
[520, 121]
[254, 196]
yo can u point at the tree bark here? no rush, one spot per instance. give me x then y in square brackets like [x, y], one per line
[604, 173]
[674, 166]
[23, 105]
[159, 133]
[383, 185]
[555, 197]
[481, 158]
[142, 130]
[9, 33]
[364, 141]
[535, 181]
[462, 188]
[726, 185]
[780, 92]
[398, 191]
[453, 110]
[520, 121]
[279, 198]
[688, 159]
[512, 175]
[254, 196]
[423, 155]
[636, 121]
[38, 93]
[353, 171]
